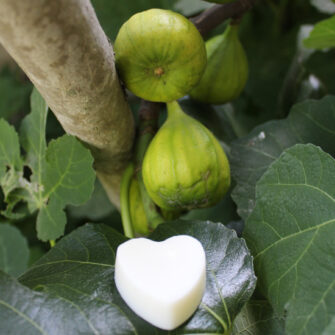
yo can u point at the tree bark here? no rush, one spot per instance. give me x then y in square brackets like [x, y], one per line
[215, 15]
[65, 53]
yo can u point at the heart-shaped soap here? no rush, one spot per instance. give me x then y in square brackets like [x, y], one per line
[162, 282]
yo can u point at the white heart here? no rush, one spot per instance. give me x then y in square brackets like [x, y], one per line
[162, 282]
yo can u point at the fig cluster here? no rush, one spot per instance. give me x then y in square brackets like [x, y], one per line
[161, 57]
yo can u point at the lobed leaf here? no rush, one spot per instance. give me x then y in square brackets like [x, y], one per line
[79, 271]
[69, 174]
[61, 173]
[290, 233]
[23, 310]
[312, 121]
[68, 178]
[51, 220]
[230, 279]
[32, 135]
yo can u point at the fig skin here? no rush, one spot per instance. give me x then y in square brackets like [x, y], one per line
[137, 213]
[227, 69]
[185, 167]
[160, 55]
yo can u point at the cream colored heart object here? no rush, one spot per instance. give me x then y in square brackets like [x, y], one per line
[162, 282]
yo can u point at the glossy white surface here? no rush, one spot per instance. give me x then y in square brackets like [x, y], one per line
[162, 282]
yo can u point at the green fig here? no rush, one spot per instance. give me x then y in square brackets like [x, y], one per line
[160, 55]
[227, 69]
[137, 213]
[185, 166]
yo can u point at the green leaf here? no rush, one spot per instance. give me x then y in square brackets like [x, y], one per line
[36, 251]
[51, 220]
[269, 62]
[32, 135]
[291, 234]
[15, 208]
[258, 318]
[10, 160]
[68, 179]
[69, 175]
[9, 149]
[323, 35]
[230, 278]
[80, 271]
[14, 251]
[330, 330]
[62, 173]
[24, 311]
[98, 207]
[224, 212]
[308, 122]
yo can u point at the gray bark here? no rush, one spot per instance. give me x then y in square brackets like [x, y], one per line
[61, 47]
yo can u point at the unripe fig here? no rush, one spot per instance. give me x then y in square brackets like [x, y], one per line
[160, 55]
[137, 214]
[227, 69]
[185, 166]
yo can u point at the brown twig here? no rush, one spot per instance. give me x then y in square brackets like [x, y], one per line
[212, 17]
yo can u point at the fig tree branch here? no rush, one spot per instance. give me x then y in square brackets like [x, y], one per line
[62, 48]
[215, 15]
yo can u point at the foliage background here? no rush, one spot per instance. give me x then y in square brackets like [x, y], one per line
[283, 73]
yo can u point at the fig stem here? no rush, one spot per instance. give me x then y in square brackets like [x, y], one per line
[173, 108]
[52, 243]
[148, 125]
[124, 200]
